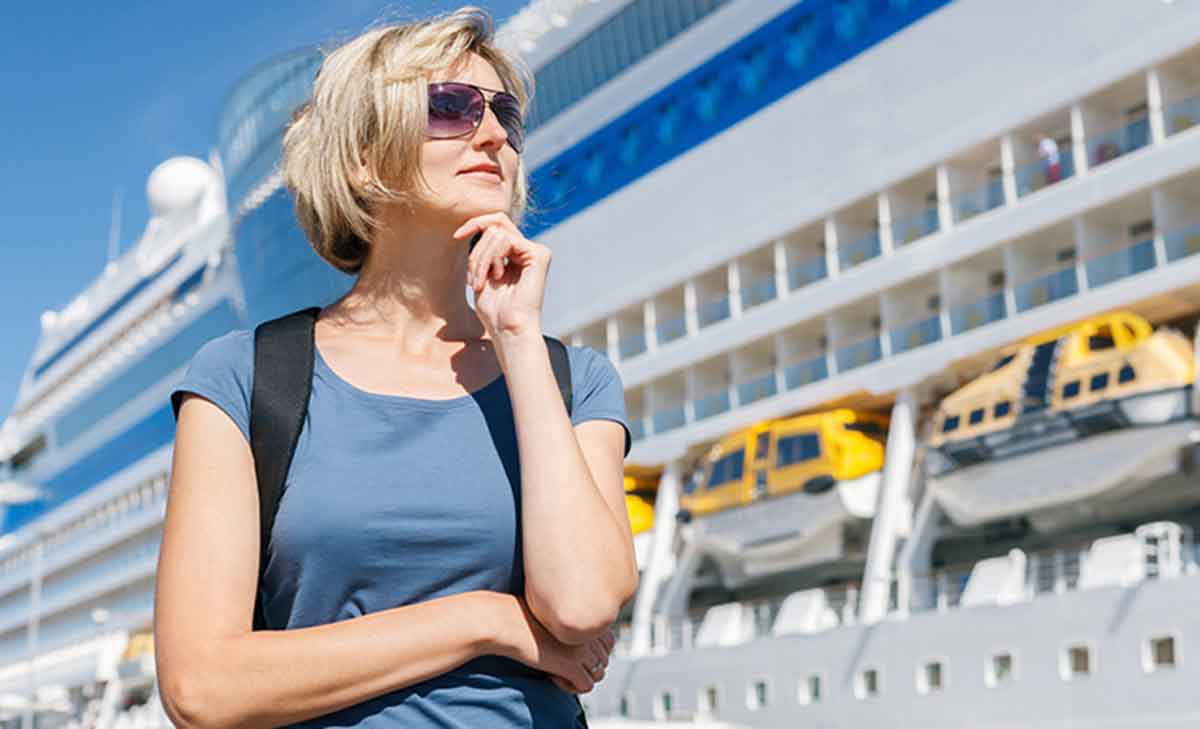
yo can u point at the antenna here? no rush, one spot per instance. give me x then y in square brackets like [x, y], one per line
[114, 229]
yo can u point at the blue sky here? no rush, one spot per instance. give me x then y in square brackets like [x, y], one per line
[96, 95]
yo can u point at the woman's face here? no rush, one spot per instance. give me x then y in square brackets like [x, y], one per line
[456, 194]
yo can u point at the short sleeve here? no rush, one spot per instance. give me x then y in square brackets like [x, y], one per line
[222, 372]
[597, 391]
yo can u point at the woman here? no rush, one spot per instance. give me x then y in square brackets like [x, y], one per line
[450, 547]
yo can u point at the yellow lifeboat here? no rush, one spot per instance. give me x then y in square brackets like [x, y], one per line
[1109, 371]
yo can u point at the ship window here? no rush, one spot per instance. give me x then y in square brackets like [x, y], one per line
[797, 449]
[761, 444]
[1076, 661]
[1099, 382]
[869, 428]
[1126, 374]
[709, 700]
[976, 416]
[626, 705]
[867, 684]
[756, 695]
[930, 677]
[1000, 670]
[728, 468]
[1101, 340]
[1003, 361]
[810, 691]
[951, 423]
[1159, 654]
[665, 704]
[1070, 390]
[1002, 409]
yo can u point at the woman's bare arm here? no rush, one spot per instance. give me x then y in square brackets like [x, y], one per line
[213, 670]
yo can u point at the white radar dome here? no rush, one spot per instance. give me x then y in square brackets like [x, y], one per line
[177, 185]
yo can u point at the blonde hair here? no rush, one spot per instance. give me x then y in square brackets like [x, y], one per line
[368, 114]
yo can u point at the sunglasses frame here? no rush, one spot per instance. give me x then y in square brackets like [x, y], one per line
[482, 92]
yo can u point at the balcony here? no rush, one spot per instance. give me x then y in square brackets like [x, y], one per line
[1182, 115]
[805, 371]
[858, 354]
[916, 334]
[759, 291]
[1182, 243]
[1118, 142]
[1046, 288]
[757, 387]
[1121, 263]
[712, 311]
[861, 250]
[631, 345]
[978, 201]
[713, 403]
[669, 418]
[668, 330]
[966, 317]
[915, 227]
[803, 273]
[1038, 175]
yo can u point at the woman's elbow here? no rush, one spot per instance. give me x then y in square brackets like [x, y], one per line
[187, 698]
[586, 619]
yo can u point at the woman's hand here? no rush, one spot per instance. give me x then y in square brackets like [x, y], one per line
[524, 639]
[508, 298]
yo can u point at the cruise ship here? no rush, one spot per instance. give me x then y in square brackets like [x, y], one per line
[904, 296]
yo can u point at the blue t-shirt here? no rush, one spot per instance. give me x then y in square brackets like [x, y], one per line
[394, 500]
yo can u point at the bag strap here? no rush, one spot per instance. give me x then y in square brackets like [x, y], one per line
[283, 366]
[284, 350]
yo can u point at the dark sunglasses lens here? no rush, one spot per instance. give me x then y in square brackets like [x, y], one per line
[508, 112]
[454, 110]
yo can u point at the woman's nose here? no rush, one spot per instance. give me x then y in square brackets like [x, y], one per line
[490, 128]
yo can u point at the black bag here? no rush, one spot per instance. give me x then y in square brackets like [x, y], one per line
[284, 350]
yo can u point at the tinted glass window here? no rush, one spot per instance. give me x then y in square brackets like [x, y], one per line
[976, 416]
[797, 449]
[1126, 374]
[950, 424]
[761, 444]
[1099, 382]
[1002, 409]
[728, 468]
[867, 427]
[1070, 390]
[1003, 361]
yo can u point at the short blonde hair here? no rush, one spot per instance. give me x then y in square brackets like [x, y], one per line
[370, 103]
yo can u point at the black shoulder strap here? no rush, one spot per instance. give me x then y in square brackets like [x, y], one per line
[284, 350]
[283, 365]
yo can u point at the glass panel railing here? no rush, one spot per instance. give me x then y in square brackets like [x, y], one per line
[668, 330]
[858, 354]
[980, 200]
[713, 310]
[916, 334]
[759, 291]
[863, 249]
[965, 317]
[805, 371]
[1182, 243]
[1037, 175]
[757, 387]
[1118, 264]
[669, 418]
[711, 404]
[1109, 145]
[811, 270]
[914, 227]
[1182, 115]
[1047, 288]
[631, 345]
[637, 429]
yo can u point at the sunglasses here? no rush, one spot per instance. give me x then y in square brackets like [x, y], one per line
[456, 109]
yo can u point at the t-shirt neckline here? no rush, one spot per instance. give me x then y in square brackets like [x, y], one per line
[407, 400]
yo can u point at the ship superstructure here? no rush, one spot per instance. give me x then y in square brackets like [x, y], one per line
[806, 232]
